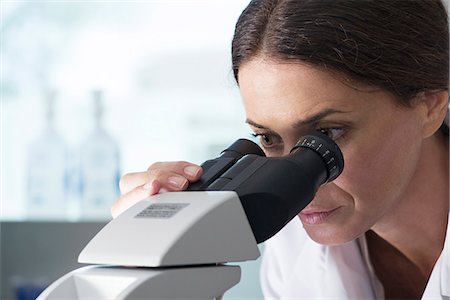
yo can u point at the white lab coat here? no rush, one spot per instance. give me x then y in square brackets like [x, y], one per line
[295, 267]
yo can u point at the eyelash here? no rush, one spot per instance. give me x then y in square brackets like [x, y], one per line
[263, 135]
[339, 136]
[261, 141]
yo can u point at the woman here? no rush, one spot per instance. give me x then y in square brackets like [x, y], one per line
[373, 75]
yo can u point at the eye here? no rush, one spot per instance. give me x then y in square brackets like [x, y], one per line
[333, 133]
[267, 140]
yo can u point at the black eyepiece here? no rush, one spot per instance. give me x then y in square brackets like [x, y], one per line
[242, 147]
[273, 190]
[328, 151]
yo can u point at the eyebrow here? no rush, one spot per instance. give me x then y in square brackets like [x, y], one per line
[314, 119]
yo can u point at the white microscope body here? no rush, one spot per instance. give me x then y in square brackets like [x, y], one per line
[169, 246]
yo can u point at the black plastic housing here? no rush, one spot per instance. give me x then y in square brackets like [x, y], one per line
[273, 190]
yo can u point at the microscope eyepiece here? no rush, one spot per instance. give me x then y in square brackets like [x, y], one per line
[240, 148]
[214, 168]
[328, 151]
[273, 190]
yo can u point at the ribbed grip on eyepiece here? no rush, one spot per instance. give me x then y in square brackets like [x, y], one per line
[328, 151]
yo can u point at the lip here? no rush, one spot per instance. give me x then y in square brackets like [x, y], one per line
[316, 216]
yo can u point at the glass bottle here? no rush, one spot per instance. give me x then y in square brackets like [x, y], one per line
[99, 167]
[47, 169]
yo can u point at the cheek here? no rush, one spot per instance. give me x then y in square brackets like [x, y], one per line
[376, 172]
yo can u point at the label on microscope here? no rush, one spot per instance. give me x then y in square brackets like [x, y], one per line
[161, 210]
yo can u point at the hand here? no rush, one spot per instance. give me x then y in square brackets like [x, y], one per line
[159, 177]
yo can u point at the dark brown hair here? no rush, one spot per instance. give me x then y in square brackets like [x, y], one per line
[398, 45]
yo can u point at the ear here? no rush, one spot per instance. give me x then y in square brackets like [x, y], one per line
[435, 106]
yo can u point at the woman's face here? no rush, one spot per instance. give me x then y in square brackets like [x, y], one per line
[380, 140]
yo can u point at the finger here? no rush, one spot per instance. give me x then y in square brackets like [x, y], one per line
[191, 171]
[132, 197]
[130, 181]
[162, 171]
[168, 180]
[173, 177]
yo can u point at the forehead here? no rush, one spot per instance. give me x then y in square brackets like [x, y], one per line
[284, 90]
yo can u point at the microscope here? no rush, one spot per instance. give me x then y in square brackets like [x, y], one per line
[178, 245]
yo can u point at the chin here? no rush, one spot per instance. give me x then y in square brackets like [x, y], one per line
[329, 236]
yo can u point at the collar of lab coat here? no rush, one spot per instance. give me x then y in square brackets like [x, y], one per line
[438, 286]
[445, 267]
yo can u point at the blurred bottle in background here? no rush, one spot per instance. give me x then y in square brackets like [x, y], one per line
[99, 167]
[47, 165]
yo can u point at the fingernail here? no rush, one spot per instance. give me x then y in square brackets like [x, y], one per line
[177, 181]
[191, 170]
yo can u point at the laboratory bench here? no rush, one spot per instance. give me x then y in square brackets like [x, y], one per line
[35, 253]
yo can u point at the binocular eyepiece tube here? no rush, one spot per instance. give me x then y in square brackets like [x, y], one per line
[273, 190]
